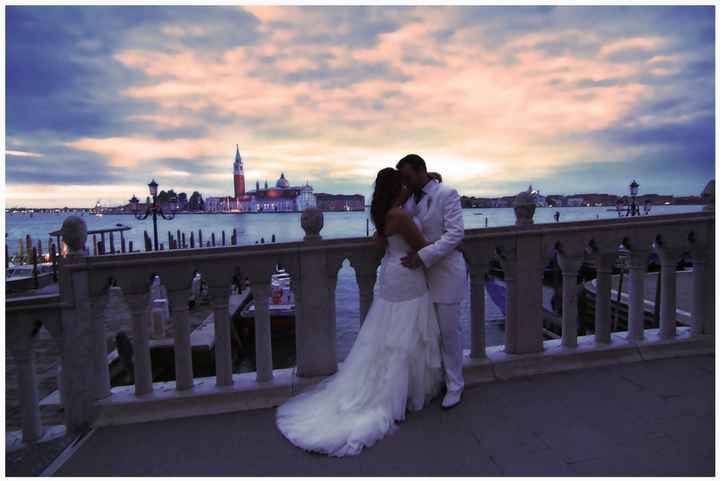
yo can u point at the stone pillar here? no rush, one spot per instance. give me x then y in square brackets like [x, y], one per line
[570, 265]
[315, 303]
[668, 304]
[140, 311]
[100, 363]
[83, 378]
[523, 270]
[27, 389]
[366, 284]
[709, 282]
[636, 307]
[223, 347]
[603, 298]
[183, 346]
[477, 310]
[698, 314]
[261, 291]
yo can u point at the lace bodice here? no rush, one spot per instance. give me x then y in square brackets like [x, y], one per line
[397, 282]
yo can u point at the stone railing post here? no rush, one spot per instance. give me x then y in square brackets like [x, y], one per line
[709, 281]
[261, 291]
[85, 373]
[365, 265]
[181, 333]
[668, 304]
[315, 320]
[698, 313]
[223, 348]
[20, 346]
[142, 363]
[570, 266]
[702, 248]
[636, 306]
[523, 270]
[366, 285]
[478, 269]
[604, 263]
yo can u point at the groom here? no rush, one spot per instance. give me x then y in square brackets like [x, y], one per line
[440, 213]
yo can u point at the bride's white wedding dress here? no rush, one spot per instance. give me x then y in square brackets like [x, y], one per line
[394, 365]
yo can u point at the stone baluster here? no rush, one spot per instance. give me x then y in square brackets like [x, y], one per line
[477, 309]
[99, 342]
[140, 311]
[332, 276]
[698, 297]
[223, 348]
[27, 387]
[183, 346]
[20, 345]
[669, 258]
[366, 276]
[604, 263]
[261, 291]
[523, 270]
[570, 266]
[709, 283]
[636, 307]
[702, 249]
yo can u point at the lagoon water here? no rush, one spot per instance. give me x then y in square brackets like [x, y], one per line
[286, 227]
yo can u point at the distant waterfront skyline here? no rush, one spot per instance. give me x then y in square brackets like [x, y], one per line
[99, 100]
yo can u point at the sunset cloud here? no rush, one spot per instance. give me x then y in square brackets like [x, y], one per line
[492, 97]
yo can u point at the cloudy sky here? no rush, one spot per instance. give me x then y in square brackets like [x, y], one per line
[570, 99]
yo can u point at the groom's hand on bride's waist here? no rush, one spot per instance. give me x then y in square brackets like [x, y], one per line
[412, 260]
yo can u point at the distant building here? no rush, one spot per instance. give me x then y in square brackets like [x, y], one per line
[238, 174]
[502, 202]
[282, 197]
[340, 202]
[575, 202]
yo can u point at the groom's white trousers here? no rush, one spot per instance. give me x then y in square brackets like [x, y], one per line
[448, 316]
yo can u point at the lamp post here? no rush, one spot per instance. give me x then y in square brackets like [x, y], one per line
[153, 209]
[634, 210]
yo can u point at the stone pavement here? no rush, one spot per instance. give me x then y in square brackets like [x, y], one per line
[652, 418]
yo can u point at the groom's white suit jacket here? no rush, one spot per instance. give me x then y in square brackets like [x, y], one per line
[439, 214]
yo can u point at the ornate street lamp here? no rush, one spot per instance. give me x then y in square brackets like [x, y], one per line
[153, 209]
[634, 210]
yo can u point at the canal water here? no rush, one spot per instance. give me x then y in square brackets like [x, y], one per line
[251, 228]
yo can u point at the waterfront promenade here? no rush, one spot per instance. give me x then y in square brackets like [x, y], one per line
[640, 395]
[649, 418]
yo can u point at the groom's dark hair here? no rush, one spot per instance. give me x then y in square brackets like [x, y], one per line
[414, 161]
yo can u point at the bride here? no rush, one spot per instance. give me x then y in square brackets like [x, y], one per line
[395, 363]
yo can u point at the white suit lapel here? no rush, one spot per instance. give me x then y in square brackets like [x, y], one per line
[427, 201]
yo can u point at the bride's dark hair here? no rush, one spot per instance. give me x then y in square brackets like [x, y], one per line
[388, 186]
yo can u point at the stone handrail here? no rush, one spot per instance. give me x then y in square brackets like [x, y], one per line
[523, 251]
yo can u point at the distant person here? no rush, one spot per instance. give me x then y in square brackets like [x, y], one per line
[557, 216]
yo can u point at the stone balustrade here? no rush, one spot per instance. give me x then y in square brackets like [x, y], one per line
[522, 250]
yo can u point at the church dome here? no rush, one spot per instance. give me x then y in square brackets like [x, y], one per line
[282, 182]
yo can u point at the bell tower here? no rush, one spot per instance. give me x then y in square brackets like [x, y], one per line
[238, 174]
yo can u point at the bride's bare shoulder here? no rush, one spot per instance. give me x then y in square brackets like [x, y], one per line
[397, 212]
